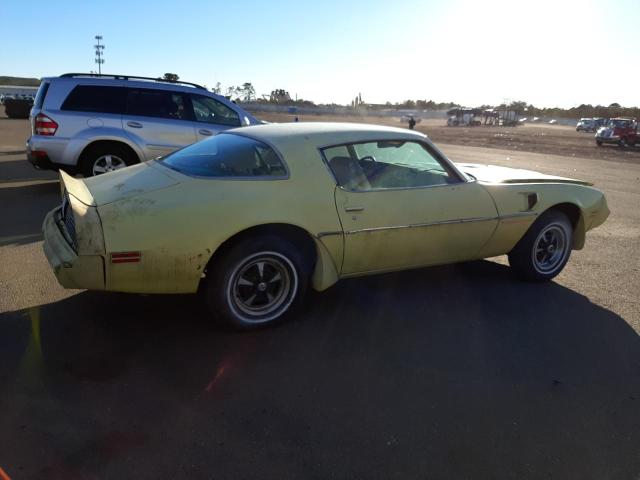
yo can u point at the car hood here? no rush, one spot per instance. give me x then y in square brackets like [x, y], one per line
[114, 186]
[495, 174]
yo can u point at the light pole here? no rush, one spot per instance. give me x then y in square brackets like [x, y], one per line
[99, 53]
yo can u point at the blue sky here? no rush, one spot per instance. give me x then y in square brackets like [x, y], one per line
[547, 52]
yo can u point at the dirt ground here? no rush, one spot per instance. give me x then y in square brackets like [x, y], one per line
[535, 138]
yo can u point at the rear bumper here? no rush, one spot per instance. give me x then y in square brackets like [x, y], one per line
[40, 161]
[71, 270]
[50, 153]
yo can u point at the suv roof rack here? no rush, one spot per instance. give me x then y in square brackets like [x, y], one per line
[130, 77]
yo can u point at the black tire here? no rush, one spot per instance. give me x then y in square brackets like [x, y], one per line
[545, 249]
[97, 153]
[598, 143]
[622, 143]
[236, 273]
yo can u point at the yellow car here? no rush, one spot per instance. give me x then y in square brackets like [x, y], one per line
[254, 216]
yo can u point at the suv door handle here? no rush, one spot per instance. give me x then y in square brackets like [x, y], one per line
[205, 132]
[134, 124]
[353, 209]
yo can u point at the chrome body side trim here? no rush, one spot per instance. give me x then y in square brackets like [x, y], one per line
[327, 234]
[442, 222]
[421, 225]
[519, 214]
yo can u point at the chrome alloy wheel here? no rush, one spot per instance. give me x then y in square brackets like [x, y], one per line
[107, 163]
[550, 249]
[262, 287]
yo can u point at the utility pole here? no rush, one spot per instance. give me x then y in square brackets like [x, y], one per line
[99, 53]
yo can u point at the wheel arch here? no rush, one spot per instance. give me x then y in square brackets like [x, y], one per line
[324, 272]
[104, 142]
[574, 213]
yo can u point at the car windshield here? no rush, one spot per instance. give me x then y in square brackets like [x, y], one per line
[618, 123]
[227, 155]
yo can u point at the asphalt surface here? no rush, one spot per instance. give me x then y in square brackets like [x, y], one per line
[449, 372]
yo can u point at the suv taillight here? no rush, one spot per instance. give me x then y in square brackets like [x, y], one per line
[44, 125]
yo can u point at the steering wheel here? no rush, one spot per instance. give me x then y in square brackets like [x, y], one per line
[368, 158]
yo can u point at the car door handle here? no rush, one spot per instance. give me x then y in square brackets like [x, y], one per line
[353, 209]
[134, 124]
[205, 132]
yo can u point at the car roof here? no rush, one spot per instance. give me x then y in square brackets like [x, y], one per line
[323, 134]
[132, 82]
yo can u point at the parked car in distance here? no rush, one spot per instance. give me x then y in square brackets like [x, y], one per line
[621, 131]
[93, 124]
[18, 107]
[586, 125]
[254, 216]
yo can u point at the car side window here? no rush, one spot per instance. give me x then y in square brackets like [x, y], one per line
[157, 103]
[387, 164]
[209, 110]
[92, 98]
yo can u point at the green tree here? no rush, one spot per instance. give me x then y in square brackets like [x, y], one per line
[247, 92]
[171, 77]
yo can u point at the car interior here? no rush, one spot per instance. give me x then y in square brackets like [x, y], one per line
[361, 171]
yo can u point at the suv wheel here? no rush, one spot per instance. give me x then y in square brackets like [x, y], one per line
[106, 158]
[258, 282]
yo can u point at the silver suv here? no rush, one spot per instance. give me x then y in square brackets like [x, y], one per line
[92, 124]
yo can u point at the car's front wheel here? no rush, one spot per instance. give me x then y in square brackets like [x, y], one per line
[545, 249]
[257, 282]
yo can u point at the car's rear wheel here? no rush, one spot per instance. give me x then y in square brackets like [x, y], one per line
[545, 249]
[101, 159]
[257, 282]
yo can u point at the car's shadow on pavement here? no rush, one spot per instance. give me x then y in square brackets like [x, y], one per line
[23, 209]
[21, 170]
[449, 372]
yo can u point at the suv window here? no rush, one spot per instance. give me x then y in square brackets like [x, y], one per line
[95, 98]
[209, 110]
[227, 155]
[387, 164]
[42, 92]
[157, 103]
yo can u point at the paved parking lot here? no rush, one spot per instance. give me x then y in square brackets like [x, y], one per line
[448, 372]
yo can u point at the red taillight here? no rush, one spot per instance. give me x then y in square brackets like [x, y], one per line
[44, 125]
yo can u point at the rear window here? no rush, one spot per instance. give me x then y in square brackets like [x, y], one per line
[227, 155]
[42, 93]
[93, 98]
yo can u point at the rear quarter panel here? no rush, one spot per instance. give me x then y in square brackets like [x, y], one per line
[178, 229]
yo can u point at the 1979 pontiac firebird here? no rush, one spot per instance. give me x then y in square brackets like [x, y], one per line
[254, 216]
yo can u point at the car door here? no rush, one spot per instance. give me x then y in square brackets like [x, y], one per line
[211, 116]
[402, 205]
[159, 121]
